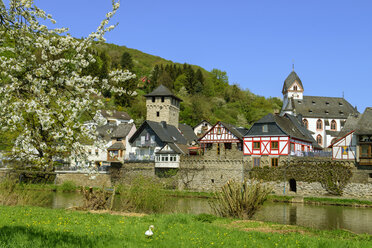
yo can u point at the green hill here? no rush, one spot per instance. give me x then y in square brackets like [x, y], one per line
[206, 95]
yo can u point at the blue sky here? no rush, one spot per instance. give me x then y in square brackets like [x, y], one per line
[255, 42]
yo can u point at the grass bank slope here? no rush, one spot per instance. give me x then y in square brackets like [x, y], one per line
[39, 227]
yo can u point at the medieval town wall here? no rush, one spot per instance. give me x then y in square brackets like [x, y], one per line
[84, 179]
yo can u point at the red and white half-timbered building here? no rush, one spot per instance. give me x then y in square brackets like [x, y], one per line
[224, 137]
[344, 148]
[274, 136]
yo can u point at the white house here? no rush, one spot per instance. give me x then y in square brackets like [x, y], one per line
[202, 128]
[323, 116]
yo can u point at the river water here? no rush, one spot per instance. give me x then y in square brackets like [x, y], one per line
[358, 220]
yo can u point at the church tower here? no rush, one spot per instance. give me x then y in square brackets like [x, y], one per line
[292, 89]
[162, 105]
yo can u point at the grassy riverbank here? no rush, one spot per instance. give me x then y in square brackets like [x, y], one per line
[40, 227]
[335, 201]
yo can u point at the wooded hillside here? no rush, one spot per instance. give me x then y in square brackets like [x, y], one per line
[206, 95]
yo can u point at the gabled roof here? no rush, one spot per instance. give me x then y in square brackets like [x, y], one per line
[188, 133]
[239, 133]
[287, 124]
[323, 107]
[117, 146]
[364, 125]
[161, 90]
[201, 123]
[115, 114]
[165, 132]
[176, 149]
[122, 130]
[105, 132]
[292, 77]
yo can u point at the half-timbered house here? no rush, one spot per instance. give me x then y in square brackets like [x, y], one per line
[202, 128]
[223, 140]
[355, 141]
[276, 136]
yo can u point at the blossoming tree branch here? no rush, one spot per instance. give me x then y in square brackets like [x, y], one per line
[43, 90]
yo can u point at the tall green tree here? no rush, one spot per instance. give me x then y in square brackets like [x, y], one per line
[126, 61]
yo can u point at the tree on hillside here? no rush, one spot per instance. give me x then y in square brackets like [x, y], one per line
[220, 81]
[126, 61]
[43, 91]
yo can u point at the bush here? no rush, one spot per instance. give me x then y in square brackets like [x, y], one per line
[208, 218]
[143, 194]
[68, 186]
[239, 200]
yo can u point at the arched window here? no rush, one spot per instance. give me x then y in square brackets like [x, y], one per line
[295, 87]
[319, 124]
[306, 123]
[333, 125]
[319, 139]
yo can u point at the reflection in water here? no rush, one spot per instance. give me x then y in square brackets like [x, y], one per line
[358, 220]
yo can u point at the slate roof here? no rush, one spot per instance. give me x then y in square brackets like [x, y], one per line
[290, 80]
[323, 107]
[364, 125]
[115, 114]
[188, 133]
[105, 131]
[201, 123]
[177, 149]
[117, 146]
[166, 133]
[239, 133]
[161, 90]
[111, 131]
[122, 130]
[288, 124]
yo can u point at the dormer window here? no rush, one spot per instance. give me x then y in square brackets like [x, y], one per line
[299, 102]
[327, 112]
[310, 111]
[265, 128]
[341, 112]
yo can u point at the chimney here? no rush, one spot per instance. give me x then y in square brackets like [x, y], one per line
[164, 124]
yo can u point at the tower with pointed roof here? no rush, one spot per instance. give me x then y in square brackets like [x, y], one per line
[292, 89]
[163, 105]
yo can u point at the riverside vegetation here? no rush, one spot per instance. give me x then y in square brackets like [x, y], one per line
[39, 227]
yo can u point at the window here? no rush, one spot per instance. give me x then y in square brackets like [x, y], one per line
[333, 125]
[319, 124]
[119, 139]
[295, 87]
[96, 152]
[227, 146]
[292, 147]
[274, 145]
[366, 151]
[319, 139]
[157, 113]
[302, 148]
[89, 151]
[218, 149]
[265, 128]
[306, 123]
[274, 162]
[153, 99]
[256, 162]
[256, 145]
[218, 130]
[162, 99]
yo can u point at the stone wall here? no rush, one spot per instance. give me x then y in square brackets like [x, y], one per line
[129, 170]
[84, 179]
[203, 174]
[211, 153]
[168, 112]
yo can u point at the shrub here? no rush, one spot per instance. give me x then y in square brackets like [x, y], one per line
[239, 200]
[68, 186]
[143, 194]
[205, 218]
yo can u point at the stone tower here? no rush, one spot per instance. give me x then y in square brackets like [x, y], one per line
[162, 105]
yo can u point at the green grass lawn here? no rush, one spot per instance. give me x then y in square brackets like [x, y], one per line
[40, 227]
